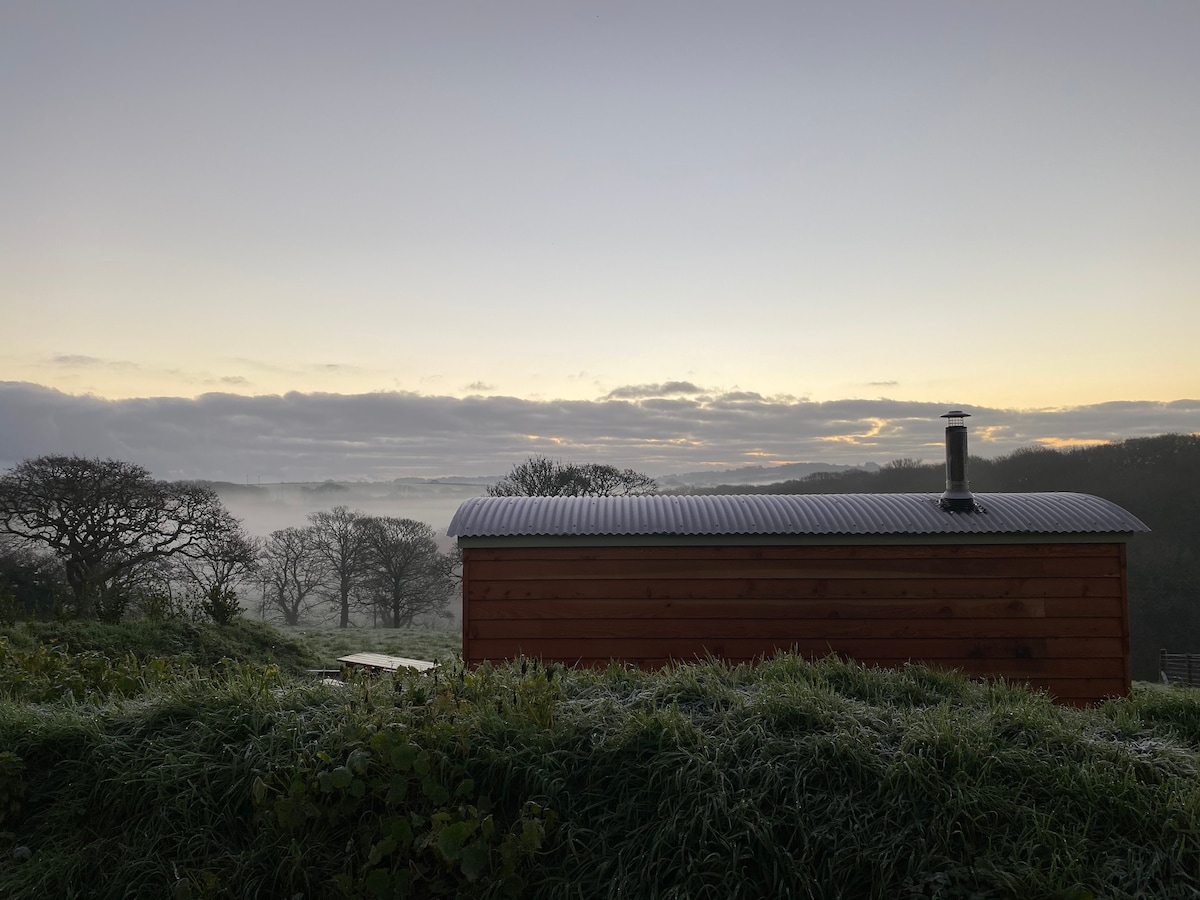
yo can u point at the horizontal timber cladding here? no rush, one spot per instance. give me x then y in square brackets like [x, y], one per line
[1051, 614]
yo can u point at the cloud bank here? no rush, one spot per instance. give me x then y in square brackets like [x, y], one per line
[661, 429]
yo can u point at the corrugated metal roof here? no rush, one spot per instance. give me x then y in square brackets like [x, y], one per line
[789, 514]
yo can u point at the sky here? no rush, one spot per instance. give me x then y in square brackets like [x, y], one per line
[294, 240]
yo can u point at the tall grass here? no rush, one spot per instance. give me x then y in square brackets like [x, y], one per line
[788, 779]
[201, 643]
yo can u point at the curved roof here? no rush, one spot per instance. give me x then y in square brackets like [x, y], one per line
[789, 514]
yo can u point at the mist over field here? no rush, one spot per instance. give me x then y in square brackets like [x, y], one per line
[268, 507]
[263, 508]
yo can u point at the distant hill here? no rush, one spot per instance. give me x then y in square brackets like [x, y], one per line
[226, 489]
[755, 475]
[482, 480]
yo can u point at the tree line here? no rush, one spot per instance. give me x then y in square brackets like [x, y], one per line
[344, 562]
[91, 538]
[540, 476]
[102, 539]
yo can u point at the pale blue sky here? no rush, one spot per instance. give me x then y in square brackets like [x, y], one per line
[993, 203]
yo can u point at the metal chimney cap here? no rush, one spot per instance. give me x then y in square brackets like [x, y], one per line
[958, 497]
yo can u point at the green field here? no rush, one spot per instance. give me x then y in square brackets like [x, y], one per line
[144, 775]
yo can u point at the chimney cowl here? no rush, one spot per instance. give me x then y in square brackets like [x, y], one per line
[958, 496]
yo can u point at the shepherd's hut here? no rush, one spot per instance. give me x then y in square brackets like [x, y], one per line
[1028, 586]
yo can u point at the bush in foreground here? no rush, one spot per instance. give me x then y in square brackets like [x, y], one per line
[785, 780]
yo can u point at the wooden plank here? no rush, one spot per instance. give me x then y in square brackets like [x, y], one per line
[696, 628]
[863, 551]
[799, 588]
[737, 608]
[388, 663]
[1021, 567]
[1022, 670]
[1100, 676]
[1107, 608]
[1034, 655]
[855, 643]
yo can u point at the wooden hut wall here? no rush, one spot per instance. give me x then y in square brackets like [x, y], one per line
[1052, 615]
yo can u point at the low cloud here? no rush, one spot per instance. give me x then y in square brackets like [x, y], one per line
[76, 359]
[81, 361]
[384, 435]
[644, 391]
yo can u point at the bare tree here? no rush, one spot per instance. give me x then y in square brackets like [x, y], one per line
[598, 480]
[407, 575]
[229, 562]
[338, 538]
[540, 476]
[292, 574]
[106, 519]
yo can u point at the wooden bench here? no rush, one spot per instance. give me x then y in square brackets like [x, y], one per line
[382, 663]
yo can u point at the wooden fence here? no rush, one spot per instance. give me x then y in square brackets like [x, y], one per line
[1179, 668]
